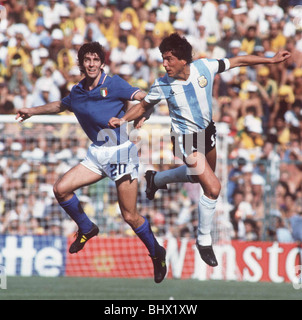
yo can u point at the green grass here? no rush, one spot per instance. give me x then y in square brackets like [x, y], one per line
[39, 288]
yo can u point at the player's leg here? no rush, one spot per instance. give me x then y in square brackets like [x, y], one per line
[201, 168]
[183, 145]
[127, 197]
[159, 179]
[64, 188]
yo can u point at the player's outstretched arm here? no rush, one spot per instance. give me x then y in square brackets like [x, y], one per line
[135, 112]
[49, 108]
[249, 60]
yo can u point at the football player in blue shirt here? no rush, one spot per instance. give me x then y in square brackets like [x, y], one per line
[94, 100]
[187, 88]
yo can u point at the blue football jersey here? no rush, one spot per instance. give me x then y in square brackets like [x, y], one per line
[95, 108]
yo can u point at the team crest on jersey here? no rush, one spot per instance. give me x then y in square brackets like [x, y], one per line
[202, 81]
[104, 92]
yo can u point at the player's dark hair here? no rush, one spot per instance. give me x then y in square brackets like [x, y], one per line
[178, 46]
[91, 47]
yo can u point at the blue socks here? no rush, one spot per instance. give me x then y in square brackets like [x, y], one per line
[74, 209]
[145, 233]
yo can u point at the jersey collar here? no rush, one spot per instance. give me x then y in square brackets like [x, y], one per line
[103, 78]
[101, 81]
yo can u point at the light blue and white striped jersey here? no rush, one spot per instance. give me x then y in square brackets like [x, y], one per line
[190, 101]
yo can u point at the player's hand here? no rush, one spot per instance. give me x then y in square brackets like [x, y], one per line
[24, 114]
[138, 123]
[115, 122]
[281, 56]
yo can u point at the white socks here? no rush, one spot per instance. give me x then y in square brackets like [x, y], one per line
[178, 174]
[206, 206]
[206, 211]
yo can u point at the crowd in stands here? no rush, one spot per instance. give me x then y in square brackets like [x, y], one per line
[261, 106]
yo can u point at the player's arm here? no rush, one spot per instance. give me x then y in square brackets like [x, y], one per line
[49, 108]
[139, 96]
[134, 113]
[249, 60]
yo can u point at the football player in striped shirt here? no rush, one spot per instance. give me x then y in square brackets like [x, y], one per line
[187, 88]
[94, 100]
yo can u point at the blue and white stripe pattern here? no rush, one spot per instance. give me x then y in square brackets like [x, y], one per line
[190, 101]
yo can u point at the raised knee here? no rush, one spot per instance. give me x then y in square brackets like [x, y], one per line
[214, 191]
[131, 218]
[59, 191]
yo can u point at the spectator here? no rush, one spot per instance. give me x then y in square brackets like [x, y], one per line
[295, 62]
[31, 15]
[283, 234]
[185, 12]
[19, 76]
[18, 45]
[51, 13]
[251, 230]
[40, 33]
[123, 53]
[141, 70]
[250, 40]
[92, 31]
[235, 178]
[292, 116]
[227, 36]
[253, 100]
[23, 99]
[276, 38]
[40, 57]
[57, 44]
[48, 86]
[125, 30]
[241, 211]
[275, 10]
[6, 99]
[213, 49]
[285, 100]
[209, 17]
[297, 83]
[254, 11]
[250, 130]
[108, 26]
[66, 24]
[267, 89]
[296, 225]
[257, 190]
[242, 21]
[3, 56]
[281, 131]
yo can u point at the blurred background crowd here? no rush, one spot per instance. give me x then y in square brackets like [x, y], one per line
[261, 107]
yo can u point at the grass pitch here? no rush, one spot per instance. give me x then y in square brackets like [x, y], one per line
[65, 288]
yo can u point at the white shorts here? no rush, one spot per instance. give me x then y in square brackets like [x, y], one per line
[113, 162]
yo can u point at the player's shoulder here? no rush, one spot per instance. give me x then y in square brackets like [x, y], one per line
[115, 80]
[78, 86]
[205, 63]
[162, 80]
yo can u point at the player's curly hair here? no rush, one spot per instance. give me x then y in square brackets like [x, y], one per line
[178, 46]
[91, 47]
